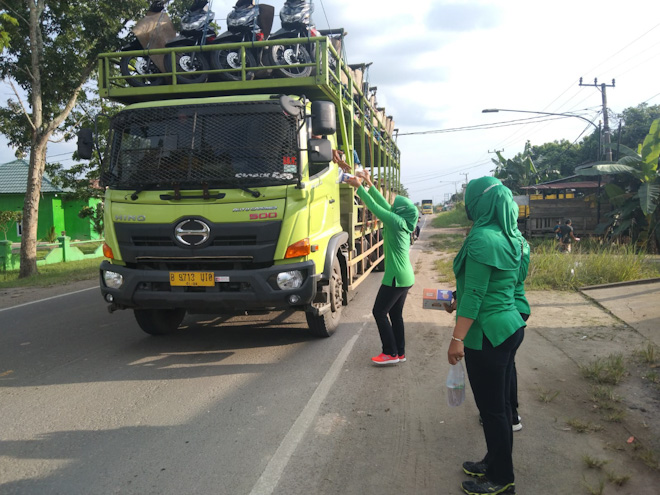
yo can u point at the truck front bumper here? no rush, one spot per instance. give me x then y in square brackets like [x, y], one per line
[234, 291]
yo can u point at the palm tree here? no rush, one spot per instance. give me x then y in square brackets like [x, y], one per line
[516, 172]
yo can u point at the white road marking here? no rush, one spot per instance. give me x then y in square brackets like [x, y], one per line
[47, 299]
[269, 479]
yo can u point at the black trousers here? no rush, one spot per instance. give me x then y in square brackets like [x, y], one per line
[388, 312]
[514, 383]
[489, 371]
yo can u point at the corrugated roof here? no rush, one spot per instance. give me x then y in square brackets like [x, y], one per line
[566, 185]
[14, 175]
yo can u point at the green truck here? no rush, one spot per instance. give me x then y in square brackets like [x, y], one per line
[223, 197]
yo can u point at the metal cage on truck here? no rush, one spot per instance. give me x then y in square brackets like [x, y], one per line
[361, 126]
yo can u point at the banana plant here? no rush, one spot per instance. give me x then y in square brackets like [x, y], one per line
[638, 189]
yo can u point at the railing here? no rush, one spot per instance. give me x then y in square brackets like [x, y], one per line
[60, 252]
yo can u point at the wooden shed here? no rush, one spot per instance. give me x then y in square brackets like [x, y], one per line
[583, 202]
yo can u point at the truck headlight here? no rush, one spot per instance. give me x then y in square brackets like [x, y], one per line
[113, 280]
[289, 280]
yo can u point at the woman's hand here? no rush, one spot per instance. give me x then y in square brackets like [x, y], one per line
[364, 174]
[451, 307]
[354, 181]
[456, 352]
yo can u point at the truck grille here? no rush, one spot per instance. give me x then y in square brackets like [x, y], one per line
[242, 243]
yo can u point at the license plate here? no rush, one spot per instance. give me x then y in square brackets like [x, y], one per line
[192, 279]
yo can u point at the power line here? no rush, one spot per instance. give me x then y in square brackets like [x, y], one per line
[493, 125]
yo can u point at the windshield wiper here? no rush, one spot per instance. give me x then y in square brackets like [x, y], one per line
[254, 193]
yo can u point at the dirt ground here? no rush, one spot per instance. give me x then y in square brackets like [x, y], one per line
[567, 331]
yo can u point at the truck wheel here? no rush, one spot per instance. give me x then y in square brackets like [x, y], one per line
[326, 324]
[159, 321]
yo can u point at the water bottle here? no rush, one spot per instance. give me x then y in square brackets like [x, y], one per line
[343, 176]
[456, 385]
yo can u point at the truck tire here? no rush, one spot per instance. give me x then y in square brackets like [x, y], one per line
[325, 325]
[159, 321]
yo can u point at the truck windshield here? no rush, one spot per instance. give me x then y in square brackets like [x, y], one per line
[247, 144]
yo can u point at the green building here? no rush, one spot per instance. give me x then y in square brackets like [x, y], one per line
[54, 209]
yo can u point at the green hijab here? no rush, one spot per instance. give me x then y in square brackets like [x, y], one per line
[494, 239]
[407, 210]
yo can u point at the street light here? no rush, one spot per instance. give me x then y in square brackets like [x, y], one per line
[495, 110]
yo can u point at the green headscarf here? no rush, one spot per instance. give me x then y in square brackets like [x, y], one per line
[407, 210]
[494, 239]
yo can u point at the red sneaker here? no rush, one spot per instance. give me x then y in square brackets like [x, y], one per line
[402, 358]
[385, 359]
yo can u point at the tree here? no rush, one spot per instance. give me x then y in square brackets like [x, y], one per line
[5, 19]
[52, 55]
[637, 192]
[7, 219]
[95, 215]
[516, 172]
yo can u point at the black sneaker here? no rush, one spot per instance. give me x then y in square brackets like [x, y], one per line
[476, 469]
[485, 487]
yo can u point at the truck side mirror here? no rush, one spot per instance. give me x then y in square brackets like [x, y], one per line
[324, 119]
[320, 150]
[85, 143]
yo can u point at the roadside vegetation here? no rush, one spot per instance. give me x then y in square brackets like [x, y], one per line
[55, 274]
[455, 217]
[590, 263]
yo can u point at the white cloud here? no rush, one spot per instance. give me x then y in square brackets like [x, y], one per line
[438, 63]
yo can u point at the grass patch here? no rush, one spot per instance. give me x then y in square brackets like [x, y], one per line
[452, 218]
[593, 463]
[445, 271]
[608, 370]
[647, 456]
[547, 396]
[449, 243]
[55, 274]
[582, 427]
[648, 354]
[594, 490]
[616, 416]
[652, 376]
[550, 269]
[617, 479]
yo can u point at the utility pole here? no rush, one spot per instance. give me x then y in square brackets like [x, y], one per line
[606, 126]
[466, 178]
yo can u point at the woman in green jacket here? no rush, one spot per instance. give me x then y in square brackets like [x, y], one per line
[399, 221]
[489, 328]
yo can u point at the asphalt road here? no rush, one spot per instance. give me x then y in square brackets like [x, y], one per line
[89, 404]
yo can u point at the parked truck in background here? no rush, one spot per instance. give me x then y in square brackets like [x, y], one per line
[427, 207]
[223, 198]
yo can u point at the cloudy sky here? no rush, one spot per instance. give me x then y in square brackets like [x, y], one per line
[438, 63]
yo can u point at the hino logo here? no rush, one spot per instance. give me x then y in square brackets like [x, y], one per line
[130, 218]
[192, 232]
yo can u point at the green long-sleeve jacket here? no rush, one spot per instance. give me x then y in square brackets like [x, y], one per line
[399, 221]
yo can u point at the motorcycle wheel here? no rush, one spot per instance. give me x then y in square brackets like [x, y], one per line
[187, 66]
[231, 59]
[287, 55]
[137, 65]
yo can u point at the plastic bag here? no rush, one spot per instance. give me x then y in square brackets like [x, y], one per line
[456, 385]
